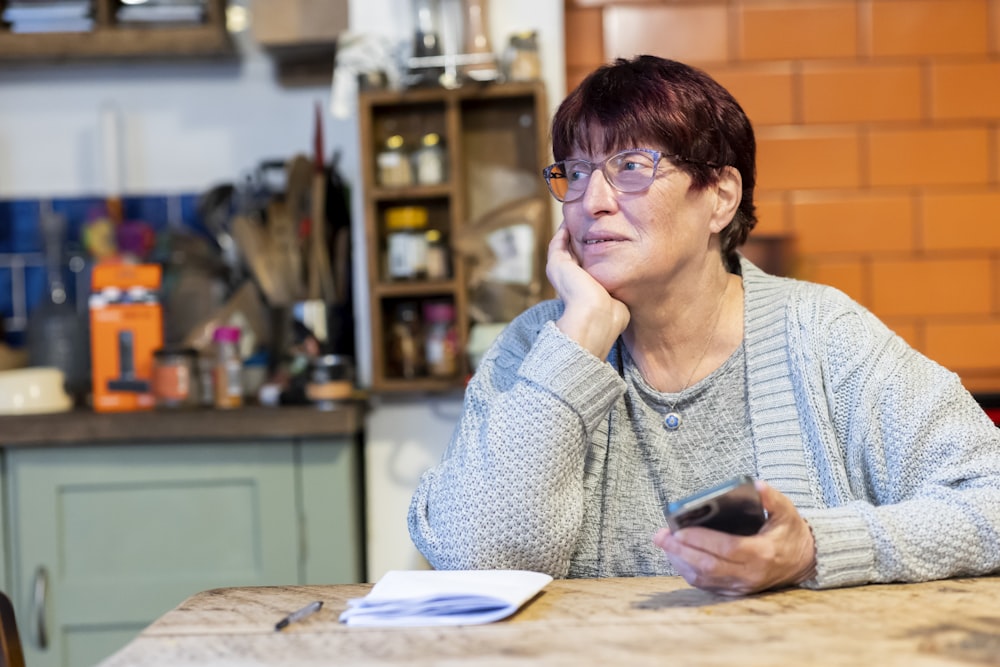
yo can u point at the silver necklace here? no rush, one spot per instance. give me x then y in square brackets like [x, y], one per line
[672, 421]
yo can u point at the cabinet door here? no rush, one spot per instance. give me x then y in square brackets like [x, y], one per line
[126, 533]
[4, 539]
[333, 544]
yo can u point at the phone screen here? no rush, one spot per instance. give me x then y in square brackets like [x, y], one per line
[733, 507]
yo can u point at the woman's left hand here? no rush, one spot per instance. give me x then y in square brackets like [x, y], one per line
[783, 553]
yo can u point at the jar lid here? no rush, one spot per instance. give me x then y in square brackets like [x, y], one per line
[406, 217]
[439, 311]
[226, 334]
[395, 142]
[431, 139]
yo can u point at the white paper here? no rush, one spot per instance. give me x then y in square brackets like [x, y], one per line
[443, 597]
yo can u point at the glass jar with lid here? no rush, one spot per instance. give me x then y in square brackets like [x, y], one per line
[406, 242]
[429, 160]
[175, 378]
[393, 163]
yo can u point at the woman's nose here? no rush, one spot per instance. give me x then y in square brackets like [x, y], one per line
[599, 197]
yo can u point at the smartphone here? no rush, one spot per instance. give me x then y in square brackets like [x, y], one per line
[732, 507]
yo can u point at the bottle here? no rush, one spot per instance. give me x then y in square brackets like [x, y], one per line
[228, 371]
[175, 377]
[429, 160]
[394, 164]
[523, 63]
[437, 255]
[406, 242]
[405, 354]
[440, 339]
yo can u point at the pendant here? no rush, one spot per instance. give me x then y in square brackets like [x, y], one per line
[672, 421]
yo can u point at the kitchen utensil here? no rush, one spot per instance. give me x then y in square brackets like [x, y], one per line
[33, 391]
[284, 255]
[320, 277]
[57, 335]
[253, 244]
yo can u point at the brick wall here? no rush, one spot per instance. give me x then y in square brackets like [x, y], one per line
[878, 126]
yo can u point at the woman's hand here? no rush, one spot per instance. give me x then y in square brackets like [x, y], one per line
[593, 318]
[783, 553]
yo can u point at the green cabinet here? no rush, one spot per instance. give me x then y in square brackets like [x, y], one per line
[104, 539]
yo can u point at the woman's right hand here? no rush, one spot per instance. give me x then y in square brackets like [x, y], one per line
[592, 317]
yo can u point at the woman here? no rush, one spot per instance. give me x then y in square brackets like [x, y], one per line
[669, 363]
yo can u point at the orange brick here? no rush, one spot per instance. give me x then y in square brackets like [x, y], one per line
[802, 158]
[688, 33]
[931, 287]
[981, 380]
[908, 330]
[764, 92]
[575, 76]
[929, 27]
[846, 275]
[964, 346]
[962, 221]
[584, 38]
[860, 224]
[799, 30]
[969, 90]
[929, 157]
[859, 93]
[771, 215]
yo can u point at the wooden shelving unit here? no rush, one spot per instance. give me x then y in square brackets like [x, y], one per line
[110, 40]
[497, 142]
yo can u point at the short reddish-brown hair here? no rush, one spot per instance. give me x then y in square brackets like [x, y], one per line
[651, 102]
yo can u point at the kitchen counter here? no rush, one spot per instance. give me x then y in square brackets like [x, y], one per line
[86, 427]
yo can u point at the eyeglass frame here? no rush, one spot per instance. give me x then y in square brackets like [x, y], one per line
[656, 155]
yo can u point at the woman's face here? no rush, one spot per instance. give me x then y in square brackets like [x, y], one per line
[636, 241]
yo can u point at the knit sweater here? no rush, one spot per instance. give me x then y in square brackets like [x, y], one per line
[888, 458]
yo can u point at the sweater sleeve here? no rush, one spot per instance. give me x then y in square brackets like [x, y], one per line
[508, 492]
[921, 462]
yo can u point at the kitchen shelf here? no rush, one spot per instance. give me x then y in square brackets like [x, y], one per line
[496, 142]
[415, 288]
[110, 40]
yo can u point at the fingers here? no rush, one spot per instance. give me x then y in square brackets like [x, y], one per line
[781, 554]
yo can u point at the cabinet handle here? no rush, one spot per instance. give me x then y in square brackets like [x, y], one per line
[40, 591]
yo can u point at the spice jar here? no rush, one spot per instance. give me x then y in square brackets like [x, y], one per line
[523, 62]
[228, 373]
[394, 163]
[175, 378]
[429, 160]
[406, 349]
[440, 339]
[437, 255]
[406, 243]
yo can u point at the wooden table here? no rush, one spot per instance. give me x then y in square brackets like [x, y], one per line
[607, 622]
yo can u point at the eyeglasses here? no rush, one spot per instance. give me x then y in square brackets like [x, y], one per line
[632, 170]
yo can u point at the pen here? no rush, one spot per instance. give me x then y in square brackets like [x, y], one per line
[310, 608]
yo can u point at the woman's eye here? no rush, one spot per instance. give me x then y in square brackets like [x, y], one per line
[578, 174]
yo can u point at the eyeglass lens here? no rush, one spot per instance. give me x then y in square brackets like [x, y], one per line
[628, 171]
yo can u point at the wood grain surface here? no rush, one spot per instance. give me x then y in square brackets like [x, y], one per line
[608, 622]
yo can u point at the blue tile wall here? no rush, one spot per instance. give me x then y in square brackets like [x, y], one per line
[22, 245]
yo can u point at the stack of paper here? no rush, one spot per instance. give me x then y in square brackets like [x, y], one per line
[444, 597]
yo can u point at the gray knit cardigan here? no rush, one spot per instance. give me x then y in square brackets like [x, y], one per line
[885, 454]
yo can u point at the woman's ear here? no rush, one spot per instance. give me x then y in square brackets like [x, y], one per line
[728, 195]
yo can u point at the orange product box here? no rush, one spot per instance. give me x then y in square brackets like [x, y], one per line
[126, 326]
